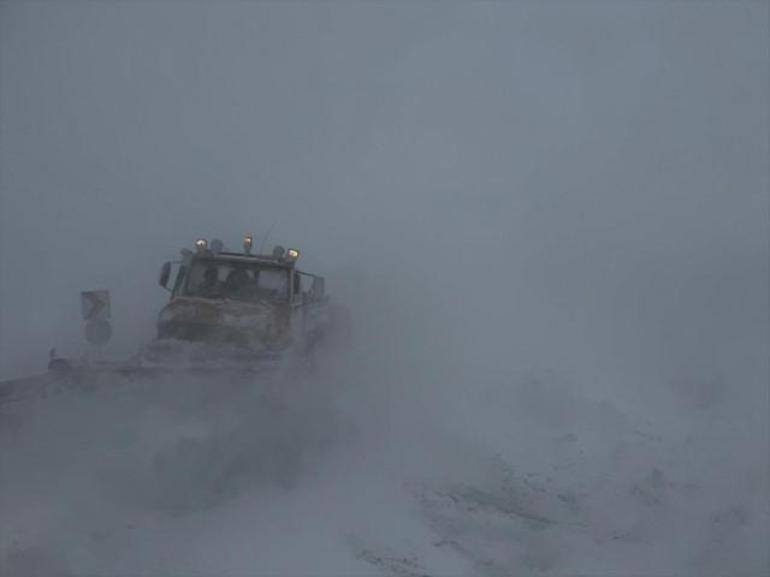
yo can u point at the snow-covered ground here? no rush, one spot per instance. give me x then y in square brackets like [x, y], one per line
[337, 469]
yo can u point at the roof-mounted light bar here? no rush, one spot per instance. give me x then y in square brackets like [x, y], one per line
[279, 253]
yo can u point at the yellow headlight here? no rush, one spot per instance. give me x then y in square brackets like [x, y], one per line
[248, 242]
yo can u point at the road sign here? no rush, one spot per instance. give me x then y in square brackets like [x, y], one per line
[95, 305]
[98, 332]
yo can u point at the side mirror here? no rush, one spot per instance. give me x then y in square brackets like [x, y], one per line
[165, 273]
[317, 289]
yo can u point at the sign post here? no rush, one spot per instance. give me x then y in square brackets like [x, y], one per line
[95, 308]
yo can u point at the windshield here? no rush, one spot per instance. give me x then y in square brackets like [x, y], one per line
[237, 280]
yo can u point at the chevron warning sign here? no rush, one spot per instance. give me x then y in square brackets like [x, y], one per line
[95, 305]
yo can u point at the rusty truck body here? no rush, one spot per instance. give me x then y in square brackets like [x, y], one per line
[258, 303]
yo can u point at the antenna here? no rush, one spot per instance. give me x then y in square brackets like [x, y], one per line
[266, 237]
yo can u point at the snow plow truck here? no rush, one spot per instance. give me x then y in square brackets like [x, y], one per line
[228, 312]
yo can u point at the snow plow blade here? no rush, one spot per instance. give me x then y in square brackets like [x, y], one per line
[64, 377]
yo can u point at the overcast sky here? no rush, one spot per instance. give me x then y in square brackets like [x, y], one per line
[603, 164]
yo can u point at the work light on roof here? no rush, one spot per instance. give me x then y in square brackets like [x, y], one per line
[201, 244]
[248, 242]
[292, 254]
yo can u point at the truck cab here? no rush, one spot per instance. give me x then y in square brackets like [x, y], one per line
[255, 302]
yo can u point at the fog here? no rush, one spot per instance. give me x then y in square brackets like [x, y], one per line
[548, 222]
